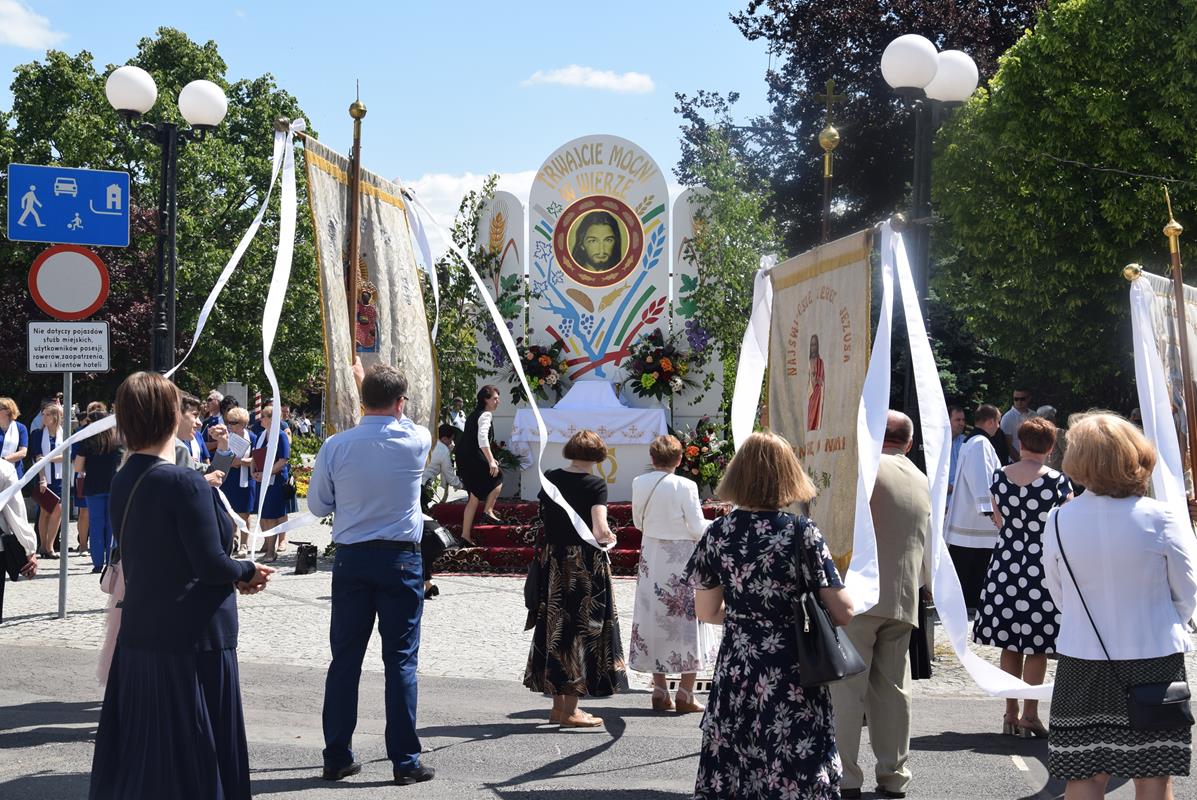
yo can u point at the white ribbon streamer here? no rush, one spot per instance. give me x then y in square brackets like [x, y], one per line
[271, 314]
[86, 432]
[420, 237]
[549, 488]
[754, 356]
[934, 424]
[1167, 481]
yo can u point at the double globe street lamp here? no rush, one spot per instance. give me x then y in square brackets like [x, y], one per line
[132, 92]
[930, 82]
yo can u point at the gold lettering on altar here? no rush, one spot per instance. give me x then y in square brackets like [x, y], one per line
[628, 167]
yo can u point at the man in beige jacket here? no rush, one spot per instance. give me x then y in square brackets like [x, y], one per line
[901, 507]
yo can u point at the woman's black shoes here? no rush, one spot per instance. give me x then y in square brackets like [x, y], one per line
[431, 592]
[492, 518]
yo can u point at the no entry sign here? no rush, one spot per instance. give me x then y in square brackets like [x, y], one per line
[68, 282]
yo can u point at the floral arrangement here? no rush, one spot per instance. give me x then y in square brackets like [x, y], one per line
[656, 367]
[302, 477]
[505, 458]
[545, 368]
[706, 452]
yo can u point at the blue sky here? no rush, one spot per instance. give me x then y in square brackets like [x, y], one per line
[455, 90]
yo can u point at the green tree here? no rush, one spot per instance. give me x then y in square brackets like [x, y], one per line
[461, 311]
[732, 230]
[61, 116]
[1039, 210]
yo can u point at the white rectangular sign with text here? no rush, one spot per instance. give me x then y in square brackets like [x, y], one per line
[68, 347]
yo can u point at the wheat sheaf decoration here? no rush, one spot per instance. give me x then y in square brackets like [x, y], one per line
[497, 234]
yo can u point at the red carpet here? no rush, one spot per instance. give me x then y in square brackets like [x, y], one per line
[507, 548]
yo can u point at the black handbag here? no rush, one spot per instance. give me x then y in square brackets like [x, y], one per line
[1163, 706]
[436, 541]
[823, 655]
[15, 557]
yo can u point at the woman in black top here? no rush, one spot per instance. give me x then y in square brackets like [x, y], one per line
[97, 461]
[171, 724]
[584, 655]
[476, 465]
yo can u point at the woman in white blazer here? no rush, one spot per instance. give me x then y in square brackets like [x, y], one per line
[1132, 562]
[667, 637]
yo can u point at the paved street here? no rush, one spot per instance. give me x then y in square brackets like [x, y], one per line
[482, 729]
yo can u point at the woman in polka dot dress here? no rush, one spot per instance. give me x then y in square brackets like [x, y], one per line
[1016, 612]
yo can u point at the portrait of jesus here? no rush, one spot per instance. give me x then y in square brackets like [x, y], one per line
[814, 403]
[598, 242]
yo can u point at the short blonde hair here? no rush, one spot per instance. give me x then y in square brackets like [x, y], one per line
[236, 416]
[765, 473]
[10, 405]
[665, 450]
[1108, 455]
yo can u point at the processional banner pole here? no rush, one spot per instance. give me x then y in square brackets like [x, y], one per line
[1173, 230]
[358, 111]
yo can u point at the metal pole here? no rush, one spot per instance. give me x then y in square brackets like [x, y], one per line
[918, 234]
[357, 110]
[1173, 230]
[172, 255]
[68, 480]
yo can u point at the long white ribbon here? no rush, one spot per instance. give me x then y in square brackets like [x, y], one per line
[549, 488]
[754, 356]
[1167, 481]
[933, 418]
[420, 243]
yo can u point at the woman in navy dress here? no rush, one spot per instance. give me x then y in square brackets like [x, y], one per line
[764, 736]
[274, 509]
[239, 486]
[14, 435]
[171, 724]
[42, 441]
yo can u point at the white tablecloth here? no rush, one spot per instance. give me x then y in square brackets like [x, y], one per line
[616, 426]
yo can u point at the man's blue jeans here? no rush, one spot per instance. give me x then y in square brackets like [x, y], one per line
[368, 582]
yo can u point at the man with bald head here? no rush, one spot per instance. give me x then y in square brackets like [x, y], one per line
[901, 510]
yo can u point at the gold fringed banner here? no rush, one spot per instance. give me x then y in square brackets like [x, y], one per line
[818, 354]
[390, 326]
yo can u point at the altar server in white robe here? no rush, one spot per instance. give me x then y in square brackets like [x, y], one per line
[667, 638]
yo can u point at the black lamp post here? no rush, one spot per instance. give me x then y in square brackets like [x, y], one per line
[930, 82]
[132, 92]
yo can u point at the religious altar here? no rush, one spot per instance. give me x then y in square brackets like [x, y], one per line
[589, 405]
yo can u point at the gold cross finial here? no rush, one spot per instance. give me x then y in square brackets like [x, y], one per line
[831, 99]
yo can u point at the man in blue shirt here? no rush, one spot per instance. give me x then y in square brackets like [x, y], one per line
[370, 476]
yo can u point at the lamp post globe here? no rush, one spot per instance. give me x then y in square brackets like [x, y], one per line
[909, 62]
[131, 90]
[203, 104]
[955, 80]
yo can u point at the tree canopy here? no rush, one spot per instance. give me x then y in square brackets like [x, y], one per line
[1044, 182]
[60, 115]
[810, 41]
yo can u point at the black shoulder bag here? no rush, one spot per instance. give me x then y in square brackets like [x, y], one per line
[823, 655]
[1150, 706]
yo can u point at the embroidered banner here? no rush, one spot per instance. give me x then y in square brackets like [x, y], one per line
[1167, 344]
[390, 323]
[818, 352]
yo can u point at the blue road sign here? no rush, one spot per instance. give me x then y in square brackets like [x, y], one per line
[66, 205]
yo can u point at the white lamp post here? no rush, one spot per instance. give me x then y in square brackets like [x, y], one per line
[132, 92]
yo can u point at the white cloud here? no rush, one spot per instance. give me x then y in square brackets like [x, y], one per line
[442, 194]
[591, 78]
[21, 27]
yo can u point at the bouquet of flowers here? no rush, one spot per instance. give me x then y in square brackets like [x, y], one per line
[505, 458]
[545, 368]
[706, 452]
[656, 367]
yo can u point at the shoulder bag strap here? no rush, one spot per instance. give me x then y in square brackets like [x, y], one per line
[644, 511]
[120, 532]
[1084, 605]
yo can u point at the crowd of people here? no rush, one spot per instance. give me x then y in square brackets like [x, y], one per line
[1060, 551]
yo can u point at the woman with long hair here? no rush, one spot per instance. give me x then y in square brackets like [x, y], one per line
[476, 465]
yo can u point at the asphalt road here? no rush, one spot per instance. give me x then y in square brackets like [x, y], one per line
[485, 737]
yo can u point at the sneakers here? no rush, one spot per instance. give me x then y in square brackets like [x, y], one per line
[420, 774]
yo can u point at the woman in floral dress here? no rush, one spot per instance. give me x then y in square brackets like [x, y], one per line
[764, 736]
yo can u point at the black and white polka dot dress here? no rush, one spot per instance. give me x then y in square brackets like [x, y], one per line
[1017, 612]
